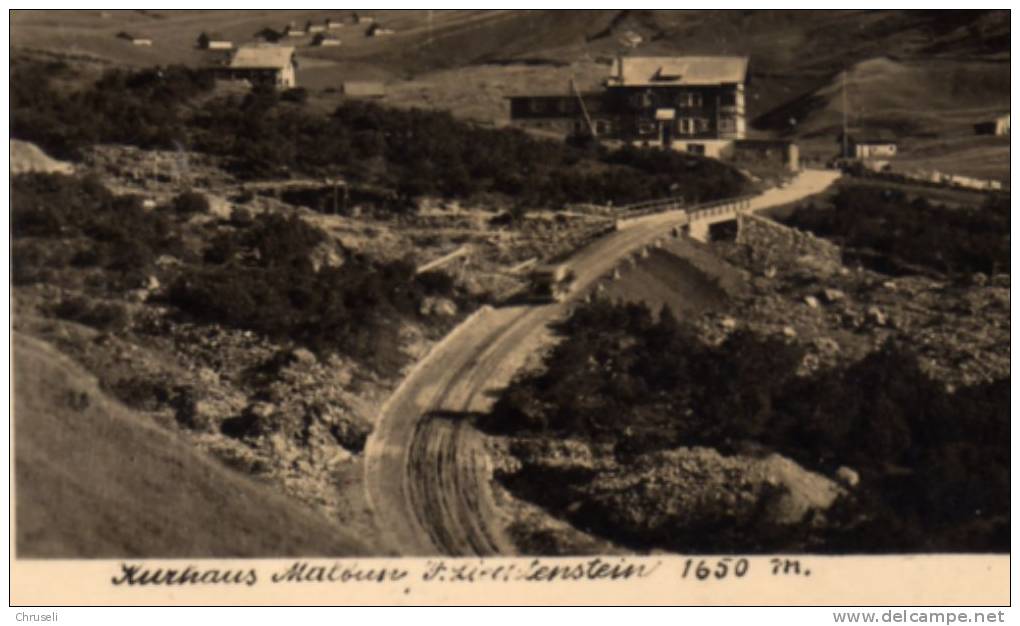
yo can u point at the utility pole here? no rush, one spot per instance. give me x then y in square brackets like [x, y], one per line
[846, 152]
[584, 109]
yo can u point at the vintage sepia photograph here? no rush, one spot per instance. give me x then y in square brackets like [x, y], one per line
[335, 283]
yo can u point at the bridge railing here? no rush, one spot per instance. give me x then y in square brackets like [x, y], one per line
[719, 207]
[640, 209]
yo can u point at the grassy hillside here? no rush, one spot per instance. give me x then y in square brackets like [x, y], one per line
[95, 480]
[924, 75]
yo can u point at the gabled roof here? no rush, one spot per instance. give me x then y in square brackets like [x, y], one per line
[264, 56]
[686, 70]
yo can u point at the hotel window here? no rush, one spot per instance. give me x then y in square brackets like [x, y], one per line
[689, 99]
[700, 125]
[642, 100]
[686, 126]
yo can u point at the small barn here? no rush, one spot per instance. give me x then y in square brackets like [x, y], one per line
[312, 28]
[332, 24]
[375, 30]
[293, 31]
[135, 39]
[213, 41]
[999, 126]
[323, 40]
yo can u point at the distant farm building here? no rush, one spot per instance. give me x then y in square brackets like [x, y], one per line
[325, 41]
[135, 39]
[214, 42]
[312, 28]
[865, 148]
[261, 63]
[690, 104]
[998, 126]
[332, 24]
[361, 19]
[363, 89]
[375, 30]
[293, 31]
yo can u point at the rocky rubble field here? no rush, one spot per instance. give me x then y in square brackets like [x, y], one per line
[959, 328]
[780, 283]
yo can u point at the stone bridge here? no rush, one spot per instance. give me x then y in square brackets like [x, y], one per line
[697, 220]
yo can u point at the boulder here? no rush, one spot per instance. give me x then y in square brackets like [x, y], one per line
[207, 376]
[443, 307]
[303, 356]
[833, 295]
[826, 345]
[847, 477]
[811, 301]
[876, 316]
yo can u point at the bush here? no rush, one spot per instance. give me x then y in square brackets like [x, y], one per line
[890, 232]
[190, 202]
[105, 316]
[276, 292]
[415, 152]
[928, 458]
[298, 95]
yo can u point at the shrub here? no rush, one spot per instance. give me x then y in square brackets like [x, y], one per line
[928, 458]
[190, 202]
[106, 316]
[415, 152]
[275, 291]
[298, 95]
[891, 232]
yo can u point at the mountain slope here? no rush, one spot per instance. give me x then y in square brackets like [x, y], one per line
[95, 480]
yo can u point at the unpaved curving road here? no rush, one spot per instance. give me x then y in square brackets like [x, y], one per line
[427, 474]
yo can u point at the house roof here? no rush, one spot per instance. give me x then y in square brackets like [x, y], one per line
[270, 57]
[686, 70]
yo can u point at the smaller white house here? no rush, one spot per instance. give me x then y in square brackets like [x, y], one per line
[874, 149]
[1002, 125]
[312, 28]
[261, 63]
[332, 24]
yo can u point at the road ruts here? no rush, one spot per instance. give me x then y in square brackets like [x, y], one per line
[427, 475]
